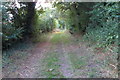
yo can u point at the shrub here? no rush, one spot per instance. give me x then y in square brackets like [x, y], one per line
[10, 32]
[103, 27]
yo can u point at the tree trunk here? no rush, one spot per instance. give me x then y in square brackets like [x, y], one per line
[73, 9]
[30, 16]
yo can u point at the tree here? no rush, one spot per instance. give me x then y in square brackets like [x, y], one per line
[10, 31]
[30, 16]
[75, 14]
[104, 21]
[16, 21]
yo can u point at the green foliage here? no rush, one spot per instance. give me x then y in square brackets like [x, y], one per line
[43, 22]
[103, 27]
[52, 67]
[16, 21]
[61, 37]
[74, 15]
[56, 38]
[11, 30]
[78, 62]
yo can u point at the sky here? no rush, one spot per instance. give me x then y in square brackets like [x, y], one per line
[43, 3]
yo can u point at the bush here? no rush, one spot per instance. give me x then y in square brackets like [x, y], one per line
[43, 22]
[103, 27]
[10, 32]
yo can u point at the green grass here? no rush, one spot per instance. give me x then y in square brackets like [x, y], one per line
[92, 74]
[51, 69]
[66, 38]
[60, 38]
[41, 38]
[56, 38]
[77, 62]
[16, 56]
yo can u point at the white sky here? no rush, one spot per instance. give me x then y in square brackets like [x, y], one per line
[17, 4]
[43, 4]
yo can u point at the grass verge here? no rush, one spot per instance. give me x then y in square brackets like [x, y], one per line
[41, 38]
[51, 69]
[61, 37]
[77, 62]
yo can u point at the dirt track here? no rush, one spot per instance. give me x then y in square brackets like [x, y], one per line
[73, 59]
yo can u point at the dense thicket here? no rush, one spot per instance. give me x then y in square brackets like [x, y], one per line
[103, 24]
[11, 28]
[43, 21]
[16, 21]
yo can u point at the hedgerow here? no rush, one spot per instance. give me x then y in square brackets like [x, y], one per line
[103, 24]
